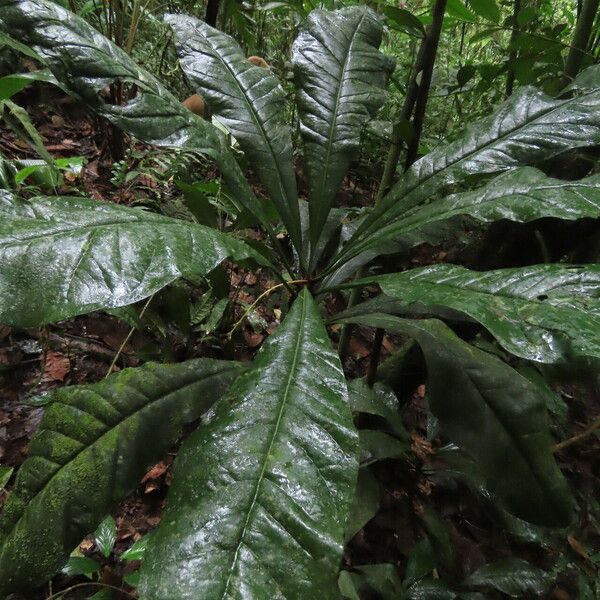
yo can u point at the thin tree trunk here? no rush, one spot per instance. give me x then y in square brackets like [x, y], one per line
[212, 12]
[416, 91]
[512, 55]
[433, 40]
[581, 37]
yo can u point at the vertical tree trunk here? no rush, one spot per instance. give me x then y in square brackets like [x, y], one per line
[512, 55]
[423, 65]
[433, 40]
[212, 12]
[581, 37]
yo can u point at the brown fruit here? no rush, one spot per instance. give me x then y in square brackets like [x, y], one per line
[196, 104]
[258, 61]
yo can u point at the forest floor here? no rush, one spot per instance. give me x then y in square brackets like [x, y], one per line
[81, 350]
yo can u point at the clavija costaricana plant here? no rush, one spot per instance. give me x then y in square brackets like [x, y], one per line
[263, 488]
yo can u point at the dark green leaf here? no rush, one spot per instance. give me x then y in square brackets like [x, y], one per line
[430, 589]
[495, 414]
[378, 400]
[404, 20]
[66, 256]
[512, 576]
[382, 579]
[457, 9]
[439, 538]
[544, 313]
[377, 445]
[522, 195]
[81, 565]
[137, 551]
[365, 504]
[488, 9]
[465, 74]
[6, 40]
[5, 475]
[347, 586]
[11, 84]
[94, 444]
[250, 102]
[421, 562]
[19, 121]
[261, 494]
[528, 128]
[459, 465]
[340, 78]
[526, 15]
[106, 536]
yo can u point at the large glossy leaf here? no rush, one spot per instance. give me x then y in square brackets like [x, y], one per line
[544, 312]
[93, 446]
[495, 414]
[261, 494]
[340, 76]
[249, 100]
[85, 62]
[528, 128]
[60, 257]
[522, 195]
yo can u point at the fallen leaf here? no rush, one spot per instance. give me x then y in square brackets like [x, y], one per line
[158, 470]
[578, 547]
[56, 367]
[252, 338]
[57, 121]
[357, 348]
[151, 487]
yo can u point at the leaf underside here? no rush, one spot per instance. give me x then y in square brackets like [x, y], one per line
[495, 414]
[93, 446]
[261, 493]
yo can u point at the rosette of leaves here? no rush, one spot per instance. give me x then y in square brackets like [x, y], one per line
[263, 488]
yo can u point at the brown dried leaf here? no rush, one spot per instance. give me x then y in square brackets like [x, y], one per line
[56, 367]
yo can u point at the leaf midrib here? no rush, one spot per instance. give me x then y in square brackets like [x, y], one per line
[372, 226]
[283, 404]
[332, 128]
[258, 122]
[103, 434]
[74, 229]
[502, 294]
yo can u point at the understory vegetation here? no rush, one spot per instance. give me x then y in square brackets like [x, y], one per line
[299, 301]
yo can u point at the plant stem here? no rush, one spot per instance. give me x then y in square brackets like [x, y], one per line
[587, 432]
[263, 295]
[581, 36]
[212, 12]
[127, 338]
[396, 141]
[88, 584]
[133, 26]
